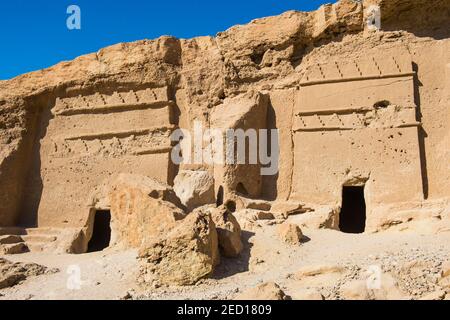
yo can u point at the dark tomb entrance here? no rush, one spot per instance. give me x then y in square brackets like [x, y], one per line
[101, 235]
[219, 200]
[352, 218]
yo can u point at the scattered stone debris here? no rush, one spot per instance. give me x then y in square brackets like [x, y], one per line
[266, 291]
[12, 274]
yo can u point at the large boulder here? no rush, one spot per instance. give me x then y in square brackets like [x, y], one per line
[194, 188]
[99, 197]
[182, 256]
[265, 291]
[229, 232]
[137, 215]
[152, 187]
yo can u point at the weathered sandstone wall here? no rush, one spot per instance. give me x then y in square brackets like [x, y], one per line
[352, 107]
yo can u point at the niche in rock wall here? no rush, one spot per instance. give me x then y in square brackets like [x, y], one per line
[352, 218]
[101, 235]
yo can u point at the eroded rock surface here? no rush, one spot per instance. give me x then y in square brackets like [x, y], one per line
[324, 79]
[228, 231]
[13, 273]
[358, 111]
[137, 215]
[194, 188]
[183, 256]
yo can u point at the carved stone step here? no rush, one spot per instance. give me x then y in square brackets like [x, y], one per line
[42, 231]
[39, 238]
[37, 246]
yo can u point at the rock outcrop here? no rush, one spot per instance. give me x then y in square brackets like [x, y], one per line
[194, 188]
[228, 231]
[139, 212]
[345, 105]
[13, 273]
[182, 256]
[258, 76]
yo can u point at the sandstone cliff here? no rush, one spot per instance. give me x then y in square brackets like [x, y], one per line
[270, 55]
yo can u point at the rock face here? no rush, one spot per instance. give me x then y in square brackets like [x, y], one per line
[240, 114]
[265, 291]
[228, 231]
[139, 213]
[151, 187]
[186, 254]
[194, 188]
[13, 273]
[339, 102]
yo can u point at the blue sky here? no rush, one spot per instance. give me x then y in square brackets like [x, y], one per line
[33, 34]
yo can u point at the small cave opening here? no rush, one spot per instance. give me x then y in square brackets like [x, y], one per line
[352, 218]
[231, 206]
[219, 199]
[241, 189]
[382, 104]
[101, 234]
[257, 57]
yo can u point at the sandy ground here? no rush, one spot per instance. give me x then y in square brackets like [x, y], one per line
[111, 274]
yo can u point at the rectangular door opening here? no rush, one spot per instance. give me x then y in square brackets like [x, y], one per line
[101, 235]
[352, 218]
